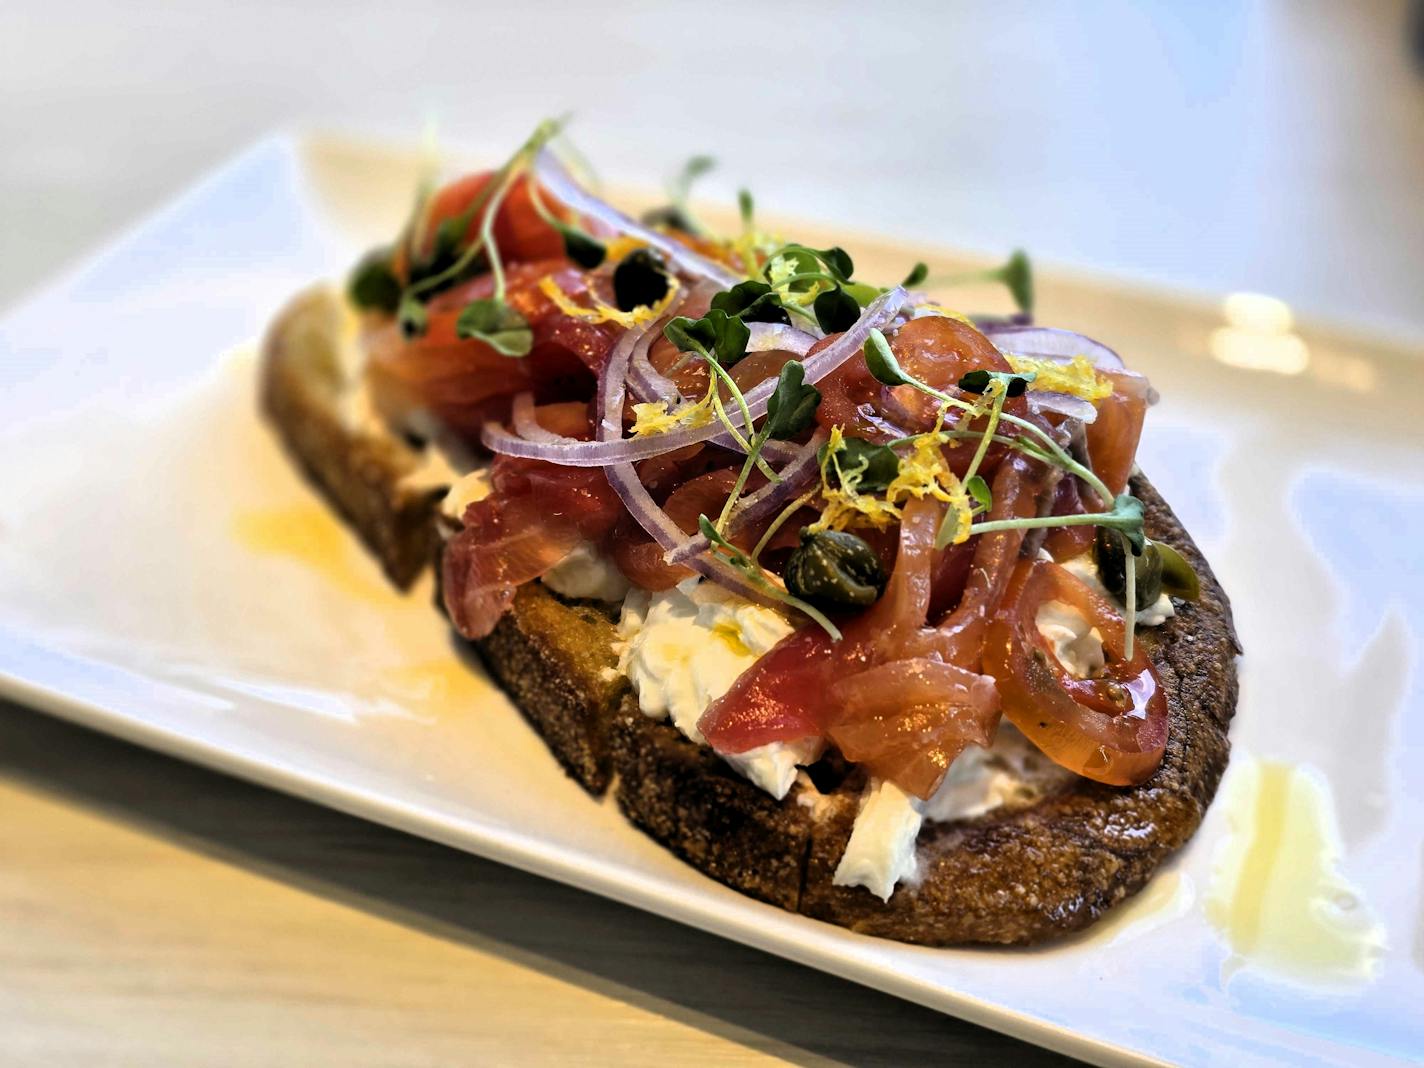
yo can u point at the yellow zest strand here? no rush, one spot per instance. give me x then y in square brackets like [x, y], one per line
[620, 246]
[655, 418]
[922, 473]
[1078, 377]
[605, 313]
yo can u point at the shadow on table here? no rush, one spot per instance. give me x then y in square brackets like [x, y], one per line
[736, 992]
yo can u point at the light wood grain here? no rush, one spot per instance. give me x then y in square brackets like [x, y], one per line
[154, 913]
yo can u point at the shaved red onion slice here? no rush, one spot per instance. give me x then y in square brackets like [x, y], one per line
[779, 336]
[1062, 403]
[630, 489]
[527, 426]
[646, 381]
[986, 323]
[1051, 343]
[613, 450]
[560, 184]
[766, 502]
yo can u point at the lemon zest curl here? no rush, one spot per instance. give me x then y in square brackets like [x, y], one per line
[606, 313]
[1078, 377]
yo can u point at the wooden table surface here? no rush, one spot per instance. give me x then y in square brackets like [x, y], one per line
[156, 913]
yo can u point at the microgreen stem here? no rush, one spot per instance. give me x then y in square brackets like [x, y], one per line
[780, 521]
[815, 613]
[1131, 596]
[1029, 523]
[758, 440]
[797, 309]
[542, 210]
[807, 276]
[988, 434]
[487, 234]
[718, 371]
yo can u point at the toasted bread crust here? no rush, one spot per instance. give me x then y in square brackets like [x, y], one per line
[689, 799]
[556, 661]
[1005, 877]
[362, 471]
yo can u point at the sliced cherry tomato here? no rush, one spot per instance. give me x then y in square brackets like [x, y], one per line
[465, 382]
[1112, 728]
[519, 232]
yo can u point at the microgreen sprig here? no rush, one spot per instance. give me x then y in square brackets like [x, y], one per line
[885, 368]
[490, 319]
[719, 337]
[1015, 274]
[754, 571]
[790, 409]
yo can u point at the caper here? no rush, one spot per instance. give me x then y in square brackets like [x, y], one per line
[1110, 551]
[834, 569]
[1178, 578]
[640, 280]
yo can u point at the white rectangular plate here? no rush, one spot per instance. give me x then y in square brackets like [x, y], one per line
[166, 577]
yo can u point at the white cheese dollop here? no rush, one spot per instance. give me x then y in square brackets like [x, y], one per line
[1012, 770]
[774, 766]
[465, 491]
[881, 851]
[683, 648]
[586, 572]
[1077, 644]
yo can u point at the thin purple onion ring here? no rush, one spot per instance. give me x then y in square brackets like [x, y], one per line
[1048, 342]
[615, 449]
[559, 183]
[768, 336]
[766, 502]
[1063, 403]
[634, 495]
[522, 415]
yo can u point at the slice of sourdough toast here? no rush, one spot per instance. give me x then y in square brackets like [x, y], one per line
[361, 468]
[1045, 865]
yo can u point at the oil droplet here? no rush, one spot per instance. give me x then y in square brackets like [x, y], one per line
[1276, 893]
[446, 682]
[308, 534]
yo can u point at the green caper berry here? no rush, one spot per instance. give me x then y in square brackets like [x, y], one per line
[373, 284]
[1110, 553]
[833, 569]
[640, 280]
[1178, 578]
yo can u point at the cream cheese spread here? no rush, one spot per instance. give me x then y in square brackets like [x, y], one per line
[881, 852]
[683, 648]
[586, 572]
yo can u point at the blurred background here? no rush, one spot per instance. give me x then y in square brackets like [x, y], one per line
[1275, 147]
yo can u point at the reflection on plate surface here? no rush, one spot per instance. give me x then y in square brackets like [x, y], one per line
[164, 574]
